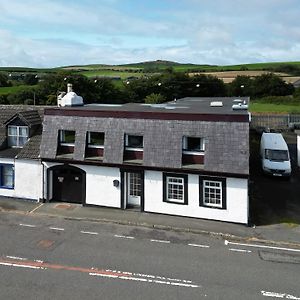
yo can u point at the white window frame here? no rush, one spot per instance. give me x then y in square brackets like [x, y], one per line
[61, 137]
[179, 184]
[89, 140]
[219, 187]
[185, 142]
[18, 135]
[132, 148]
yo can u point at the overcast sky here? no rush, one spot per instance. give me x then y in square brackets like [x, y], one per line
[50, 33]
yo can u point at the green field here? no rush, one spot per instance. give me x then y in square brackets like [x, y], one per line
[256, 107]
[13, 89]
[136, 69]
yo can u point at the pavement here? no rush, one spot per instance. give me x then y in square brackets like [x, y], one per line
[277, 234]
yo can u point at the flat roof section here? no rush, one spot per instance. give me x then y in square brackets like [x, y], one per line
[189, 108]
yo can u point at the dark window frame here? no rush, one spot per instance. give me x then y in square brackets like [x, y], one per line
[223, 205]
[2, 186]
[185, 188]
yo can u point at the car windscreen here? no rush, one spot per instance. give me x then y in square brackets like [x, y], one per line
[277, 155]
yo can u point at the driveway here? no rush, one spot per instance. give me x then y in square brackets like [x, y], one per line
[274, 200]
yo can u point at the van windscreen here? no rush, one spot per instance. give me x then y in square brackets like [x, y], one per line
[277, 155]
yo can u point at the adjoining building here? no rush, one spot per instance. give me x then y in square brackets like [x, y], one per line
[188, 157]
[20, 166]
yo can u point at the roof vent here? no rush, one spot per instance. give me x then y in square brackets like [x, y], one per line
[216, 104]
[239, 104]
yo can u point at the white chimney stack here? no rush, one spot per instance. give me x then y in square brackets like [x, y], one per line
[69, 87]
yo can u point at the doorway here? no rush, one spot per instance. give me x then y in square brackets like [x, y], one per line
[68, 184]
[133, 190]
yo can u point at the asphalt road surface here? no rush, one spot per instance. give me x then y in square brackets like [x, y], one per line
[56, 258]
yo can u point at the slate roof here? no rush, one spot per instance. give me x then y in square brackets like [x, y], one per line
[30, 115]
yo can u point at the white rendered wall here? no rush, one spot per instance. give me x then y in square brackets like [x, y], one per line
[99, 184]
[27, 179]
[236, 198]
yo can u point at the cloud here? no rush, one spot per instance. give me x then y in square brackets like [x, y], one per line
[54, 33]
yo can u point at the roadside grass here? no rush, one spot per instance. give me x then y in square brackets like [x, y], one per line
[256, 107]
[14, 89]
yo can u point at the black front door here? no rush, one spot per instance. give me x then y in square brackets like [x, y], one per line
[68, 185]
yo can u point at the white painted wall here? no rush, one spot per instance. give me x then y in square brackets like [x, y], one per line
[236, 197]
[28, 179]
[99, 184]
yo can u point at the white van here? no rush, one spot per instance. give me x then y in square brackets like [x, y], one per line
[274, 154]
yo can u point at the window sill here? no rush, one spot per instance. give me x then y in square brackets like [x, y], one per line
[193, 152]
[7, 188]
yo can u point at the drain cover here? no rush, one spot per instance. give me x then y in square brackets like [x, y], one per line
[45, 244]
[63, 206]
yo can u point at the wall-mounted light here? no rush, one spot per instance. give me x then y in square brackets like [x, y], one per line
[116, 183]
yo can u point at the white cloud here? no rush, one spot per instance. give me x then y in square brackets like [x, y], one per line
[53, 33]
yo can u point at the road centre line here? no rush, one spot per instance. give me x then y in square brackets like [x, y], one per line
[160, 241]
[27, 225]
[57, 228]
[124, 236]
[239, 250]
[16, 257]
[145, 280]
[226, 242]
[279, 295]
[38, 264]
[198, 245]
[89, 232]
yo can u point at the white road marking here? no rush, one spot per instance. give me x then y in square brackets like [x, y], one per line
[36, 208]
[20, 266]
[89, 232]
[198, 245]
[239, 250]
[124, 237]
[145, 280]
[27, 225]
[261, 246]
[279, 295]
[16, 257]
[57, 228]
[161, 241]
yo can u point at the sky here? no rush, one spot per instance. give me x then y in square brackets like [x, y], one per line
[53, 33]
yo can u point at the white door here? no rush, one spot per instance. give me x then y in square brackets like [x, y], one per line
[134, 189]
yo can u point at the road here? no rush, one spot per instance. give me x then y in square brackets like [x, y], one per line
[56, 258]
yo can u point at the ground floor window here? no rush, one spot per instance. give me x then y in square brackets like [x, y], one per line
[212, 192]
[7, 176]
[175, 188]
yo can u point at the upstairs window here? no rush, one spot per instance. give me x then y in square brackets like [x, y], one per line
[7, 176]
[134, 142]
[193, 144]
[95, 139]
[66, 137]
[17, 136]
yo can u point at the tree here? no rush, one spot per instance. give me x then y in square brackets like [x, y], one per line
[4, 80]
[155, 99]
[241, 86]
[271, 85]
